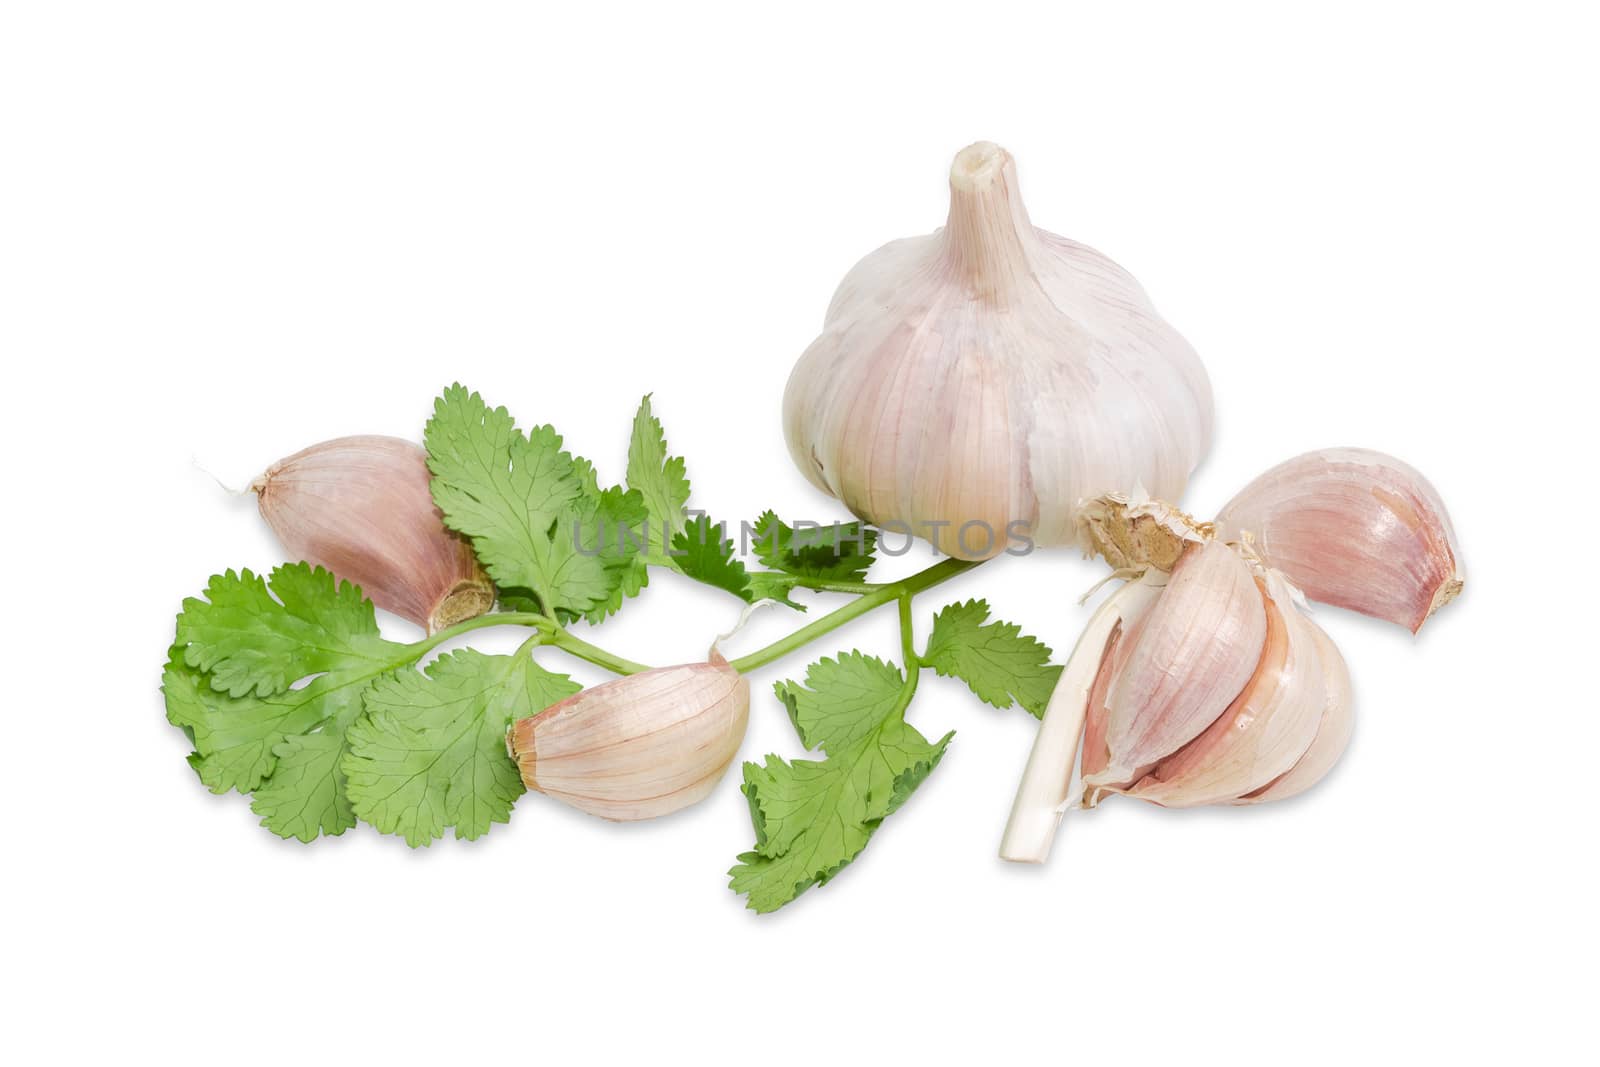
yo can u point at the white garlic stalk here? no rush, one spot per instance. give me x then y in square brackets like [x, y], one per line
[361, 507]
[1045, 790]
[980, 383]
[1353, 528]
[637, 747]
[1221, 690]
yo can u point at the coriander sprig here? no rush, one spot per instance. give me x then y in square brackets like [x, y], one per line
[289, 692]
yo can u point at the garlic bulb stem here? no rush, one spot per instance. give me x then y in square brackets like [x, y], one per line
[987, 239]
[1044, 792]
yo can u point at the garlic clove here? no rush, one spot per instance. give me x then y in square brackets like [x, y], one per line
[984, 380]
[1266, 730]
[1095, 753]
[361, 507]
[1334, 730]
[637, 747]
[1354, 528]
[1199, 645]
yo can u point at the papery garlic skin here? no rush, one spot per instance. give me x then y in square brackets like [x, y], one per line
[1196, 649]
[990, 374]
[361, 507]
[1334, 730]
[1045, 790]
[637, 747]
[1354, 528]
[1267, 728]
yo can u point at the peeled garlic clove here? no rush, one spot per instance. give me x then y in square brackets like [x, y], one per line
[1266, 730]
[1199, 644]
[1333, 731]
[993, 374]
[637, 747]
[362, 508]
[1354, 528]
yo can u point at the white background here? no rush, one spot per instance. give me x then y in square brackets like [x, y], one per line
[228, 231]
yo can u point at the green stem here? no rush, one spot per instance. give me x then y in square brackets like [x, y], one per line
[550, 631]
[577, 646]
[830, 585]
[868, 597]
[881, 595]
[908, 650]
[494, 618]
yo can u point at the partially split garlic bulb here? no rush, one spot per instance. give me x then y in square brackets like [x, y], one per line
[640, 746]
[361, 507]
[1203, 681]
[975, 386]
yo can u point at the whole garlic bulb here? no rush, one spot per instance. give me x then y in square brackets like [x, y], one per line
[362, 508]
[640, 746]
[991, 374]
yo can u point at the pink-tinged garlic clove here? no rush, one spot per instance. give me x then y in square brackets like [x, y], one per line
[362, 508]
[1096, 755]
[1266, 730]
[1333, 731]
[1354, 528]
[992, 374]
[637, 747]
[1199, 646]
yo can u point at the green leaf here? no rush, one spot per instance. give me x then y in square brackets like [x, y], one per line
[430, 752]
[702, 552]
[520, 499]
[612, 525]
[999, 662]
[841, 552]
[658, 477]
[842, 699]
[250, 642]
[284, 747]
[253, 727]
[813, 817]
[306, 794]
[773, 585]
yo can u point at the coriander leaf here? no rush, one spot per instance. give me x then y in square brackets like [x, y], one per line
[611, 525]
[249, 642]
[275, 738]
[306, 794]
[847, 698]
[246, 743]
[658, 477]
[702, 552]
[997, 661]
[518, 498]
[840, 552]
[813, 817]
[430, 752]
[772, 585]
